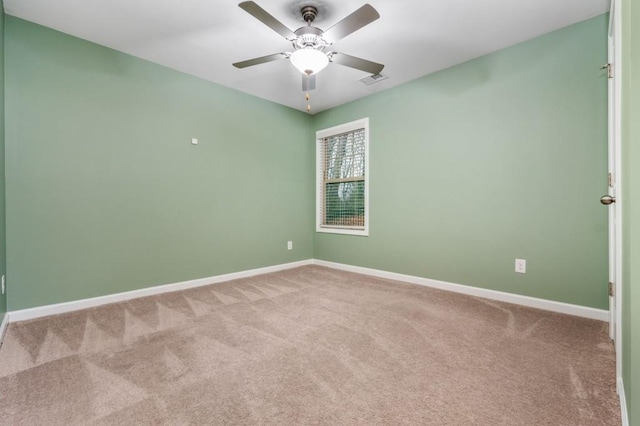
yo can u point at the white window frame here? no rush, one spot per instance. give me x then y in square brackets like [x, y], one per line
[333, 131]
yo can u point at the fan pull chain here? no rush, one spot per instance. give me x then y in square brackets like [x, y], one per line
[306, 97]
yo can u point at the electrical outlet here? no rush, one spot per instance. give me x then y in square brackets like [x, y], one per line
[521, 266]
[289, 245]
[2, 284]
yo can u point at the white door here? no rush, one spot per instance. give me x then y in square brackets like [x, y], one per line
[612, 199]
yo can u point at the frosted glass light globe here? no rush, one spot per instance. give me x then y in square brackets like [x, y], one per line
[309, 61]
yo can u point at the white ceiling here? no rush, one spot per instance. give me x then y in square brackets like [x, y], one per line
[412, 38]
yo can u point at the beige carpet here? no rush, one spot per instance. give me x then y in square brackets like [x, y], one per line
[309, 346]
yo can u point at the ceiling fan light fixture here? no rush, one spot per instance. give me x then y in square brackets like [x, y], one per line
[309, 61]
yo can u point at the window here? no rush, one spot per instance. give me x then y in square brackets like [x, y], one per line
[342, 179]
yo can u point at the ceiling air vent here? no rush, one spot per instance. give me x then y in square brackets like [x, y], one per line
[375, 78]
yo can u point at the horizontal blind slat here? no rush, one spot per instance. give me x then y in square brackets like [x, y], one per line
[350, 179]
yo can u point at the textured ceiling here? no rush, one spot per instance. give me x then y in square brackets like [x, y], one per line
[412, 38]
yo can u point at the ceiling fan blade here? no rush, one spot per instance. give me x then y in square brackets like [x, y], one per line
[308, 82]
[260, 60]
[263, 16]
[352, 23]
[357, 63]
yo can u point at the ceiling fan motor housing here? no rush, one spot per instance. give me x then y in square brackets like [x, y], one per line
[309, 37]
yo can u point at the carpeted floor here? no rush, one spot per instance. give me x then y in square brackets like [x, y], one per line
[309, 346]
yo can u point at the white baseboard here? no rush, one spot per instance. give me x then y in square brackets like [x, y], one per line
[623, 403]
[3, 326]
[547, 305]
[60, 308]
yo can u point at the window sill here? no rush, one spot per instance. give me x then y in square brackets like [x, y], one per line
[344, 231]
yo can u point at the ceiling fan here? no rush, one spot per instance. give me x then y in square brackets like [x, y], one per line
[309, 42]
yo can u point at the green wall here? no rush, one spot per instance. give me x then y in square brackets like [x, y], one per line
[3, 264]
[631, 207]
[499, 158]
[105, 192]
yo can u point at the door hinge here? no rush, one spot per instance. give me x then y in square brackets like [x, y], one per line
[609, 68]
[610, 180]
[610, 289]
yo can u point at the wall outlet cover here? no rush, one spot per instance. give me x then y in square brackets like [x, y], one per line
[521, 266]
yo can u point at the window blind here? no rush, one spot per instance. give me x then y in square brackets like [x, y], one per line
[344, 180]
